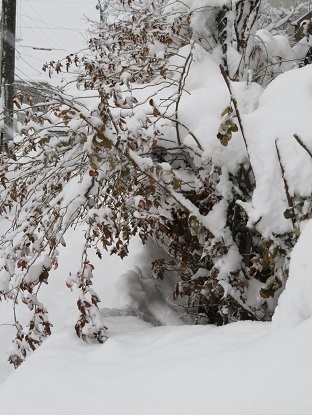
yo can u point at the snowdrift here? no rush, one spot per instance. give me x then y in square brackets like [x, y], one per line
[295, 304]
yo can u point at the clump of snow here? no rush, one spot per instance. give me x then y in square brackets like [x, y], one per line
[216, 219]
[295, 303]
[270, 119]
[284, 110]
[196, 4]
[272, 54]
[302, 47]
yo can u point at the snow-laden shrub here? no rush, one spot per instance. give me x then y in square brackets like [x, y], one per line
[162, 144]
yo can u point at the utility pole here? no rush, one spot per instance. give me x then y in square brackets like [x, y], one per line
[7, 65]
[102, 6]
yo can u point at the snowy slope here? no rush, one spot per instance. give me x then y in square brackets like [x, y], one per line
[284, 110]
[240, 369]
[295, 305]
[244, 368]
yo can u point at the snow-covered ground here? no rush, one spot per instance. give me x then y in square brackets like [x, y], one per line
[243, 368]
[238, 369]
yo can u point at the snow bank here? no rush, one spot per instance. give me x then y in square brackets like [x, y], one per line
[201, 106]
[295, 303]
[284, 110]
[197, 4]
[270, 119]
[237, 369]
[302, 47]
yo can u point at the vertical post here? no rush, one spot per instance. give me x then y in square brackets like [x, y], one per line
[7, 67]
[102, 6]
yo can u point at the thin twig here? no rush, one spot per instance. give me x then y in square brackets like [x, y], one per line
[185, 72]
[234, 101]
[289, 199]
[298, 139]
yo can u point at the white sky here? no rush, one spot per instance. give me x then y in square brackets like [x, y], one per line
[56, 24]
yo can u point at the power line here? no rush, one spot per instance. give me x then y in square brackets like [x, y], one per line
[32, 67]
[19, 23]
[29, 56]
[53, 28]
[32, 29]
[58, 39]
[23, 73]
[37, 86]
[39, 48]
[33, 83]
[52, 24]
[37, 27]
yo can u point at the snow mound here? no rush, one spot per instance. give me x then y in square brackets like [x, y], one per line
[295, 304]
[239, 369]
[284, 111]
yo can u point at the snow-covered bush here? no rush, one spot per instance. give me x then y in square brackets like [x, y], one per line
[161, 144]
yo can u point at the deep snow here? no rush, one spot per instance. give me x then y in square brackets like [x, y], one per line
[243, 368]
[240, 369]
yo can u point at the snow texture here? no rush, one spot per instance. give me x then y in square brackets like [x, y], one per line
[143, 369]
[284, 110]
[238, 369]
[295, 303]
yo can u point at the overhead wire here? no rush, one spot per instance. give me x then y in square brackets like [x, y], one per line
[22, 76]
[37, 14]
[28, 64]
[51, 41]
[38, 48]
[55, 25]
[56, 28]
[37, 27]
[33, 31]
[30, 81]
[19, 54]
[40, 86]
[19, 23]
